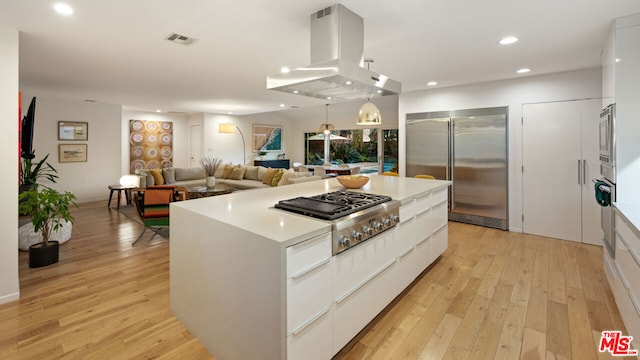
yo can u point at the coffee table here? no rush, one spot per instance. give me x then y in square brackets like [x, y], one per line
[201, 191]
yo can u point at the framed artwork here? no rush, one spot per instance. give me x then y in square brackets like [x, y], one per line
[73, 130]
[267, 138]
[150, 144]
[72, 153]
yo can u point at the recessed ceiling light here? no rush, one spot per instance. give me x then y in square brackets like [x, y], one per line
[379, 91]
[523, 71]
[284, 70]
[432, 83]
[295, 91]
[158, 110]
[282, 105]
[508, 40]
[63, 9]
[348, 82]
[328, 97]
[618, 60]
[230, 113]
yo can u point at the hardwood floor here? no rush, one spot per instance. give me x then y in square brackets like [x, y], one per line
[493, 294]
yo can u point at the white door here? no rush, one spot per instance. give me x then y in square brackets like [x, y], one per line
[591, 230]
[551, 181]
[195, 145]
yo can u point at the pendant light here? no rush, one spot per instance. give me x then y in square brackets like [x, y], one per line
[369, 113]
[326, 128]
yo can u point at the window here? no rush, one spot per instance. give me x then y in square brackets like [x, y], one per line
[355, 146]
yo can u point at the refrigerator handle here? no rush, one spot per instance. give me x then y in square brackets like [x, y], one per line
[447, 160]
[452, 154]
[579, 172]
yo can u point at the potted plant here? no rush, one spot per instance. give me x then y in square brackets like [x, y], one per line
[50, 211]
[31, 173]
[210, 164]
[262, 154]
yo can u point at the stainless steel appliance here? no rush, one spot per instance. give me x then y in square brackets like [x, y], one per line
[468, 147]
[608, 143]
[355, 217]
[607, 182]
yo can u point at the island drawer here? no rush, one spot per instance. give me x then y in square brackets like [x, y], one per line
[307, 255]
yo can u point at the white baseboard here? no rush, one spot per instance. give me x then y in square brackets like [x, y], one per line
[10, 297]
[515, 229]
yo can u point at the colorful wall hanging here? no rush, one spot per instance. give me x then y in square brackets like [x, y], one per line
[150, 144]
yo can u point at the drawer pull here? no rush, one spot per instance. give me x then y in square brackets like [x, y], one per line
[621, 276]
[308, 242]
[364, 282]
[423, 212]
[310, 268]
[635, 303]
[306, 324]
[608, 266]
[634, 255]
[406, 252]
[440, 203]
[441, 228]
[423, 240]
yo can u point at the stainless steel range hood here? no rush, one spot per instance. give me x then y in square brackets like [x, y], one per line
[336, 73]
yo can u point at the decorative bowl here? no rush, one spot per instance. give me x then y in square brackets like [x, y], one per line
[353, 181]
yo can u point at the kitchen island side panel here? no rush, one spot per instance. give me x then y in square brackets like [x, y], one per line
[227, 287]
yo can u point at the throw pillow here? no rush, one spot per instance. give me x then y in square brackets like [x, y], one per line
[220, 171]
[169, 175]
[227, 171]
[251, 172]
[268, 176]
[237, 173]
[143, 178]
[157, 176]
[194, 173]
[276, 178]
[261, 171]
[289, 174]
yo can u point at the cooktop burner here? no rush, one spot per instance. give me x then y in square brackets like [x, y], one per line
[333, 205]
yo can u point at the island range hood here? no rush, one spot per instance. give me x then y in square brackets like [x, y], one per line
[337, 72]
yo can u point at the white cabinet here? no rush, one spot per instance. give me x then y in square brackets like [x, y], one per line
[560, 158]
[627, 96]
[364, 283]
[309, 299]
[625, 282]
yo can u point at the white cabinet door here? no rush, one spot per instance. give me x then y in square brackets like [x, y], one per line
[590, 115]
[560, 158]
[551, 181]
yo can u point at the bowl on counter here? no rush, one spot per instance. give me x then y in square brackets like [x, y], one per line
[353, 181]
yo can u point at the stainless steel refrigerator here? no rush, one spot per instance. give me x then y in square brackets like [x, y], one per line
[468, 147]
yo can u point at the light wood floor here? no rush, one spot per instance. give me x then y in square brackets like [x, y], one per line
[493, 294]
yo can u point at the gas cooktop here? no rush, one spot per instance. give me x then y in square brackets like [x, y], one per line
[355, 217]
[333, 205]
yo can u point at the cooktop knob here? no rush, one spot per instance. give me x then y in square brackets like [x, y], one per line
[367, 230]
[343, 241]
[377, 226]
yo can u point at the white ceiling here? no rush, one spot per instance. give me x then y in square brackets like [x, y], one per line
[114, 51]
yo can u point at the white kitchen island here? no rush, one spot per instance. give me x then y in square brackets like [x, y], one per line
[254, 282]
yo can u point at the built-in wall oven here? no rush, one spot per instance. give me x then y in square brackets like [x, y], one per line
[608, 143]
[607, 182]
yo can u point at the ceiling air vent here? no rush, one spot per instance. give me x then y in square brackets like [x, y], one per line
[180, 39]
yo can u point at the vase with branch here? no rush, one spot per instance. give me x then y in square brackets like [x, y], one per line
[210, 165]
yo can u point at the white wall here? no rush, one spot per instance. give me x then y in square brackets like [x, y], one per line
[229, 146]
[9, 286]
[180, 136]
[582, 84]
[87, 180]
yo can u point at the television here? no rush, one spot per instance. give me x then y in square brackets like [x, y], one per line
[27, 131]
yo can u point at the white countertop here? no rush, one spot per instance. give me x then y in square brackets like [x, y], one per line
[631, 212]
[253, 211]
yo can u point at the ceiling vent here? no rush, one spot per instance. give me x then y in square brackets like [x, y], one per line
[180, 39]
